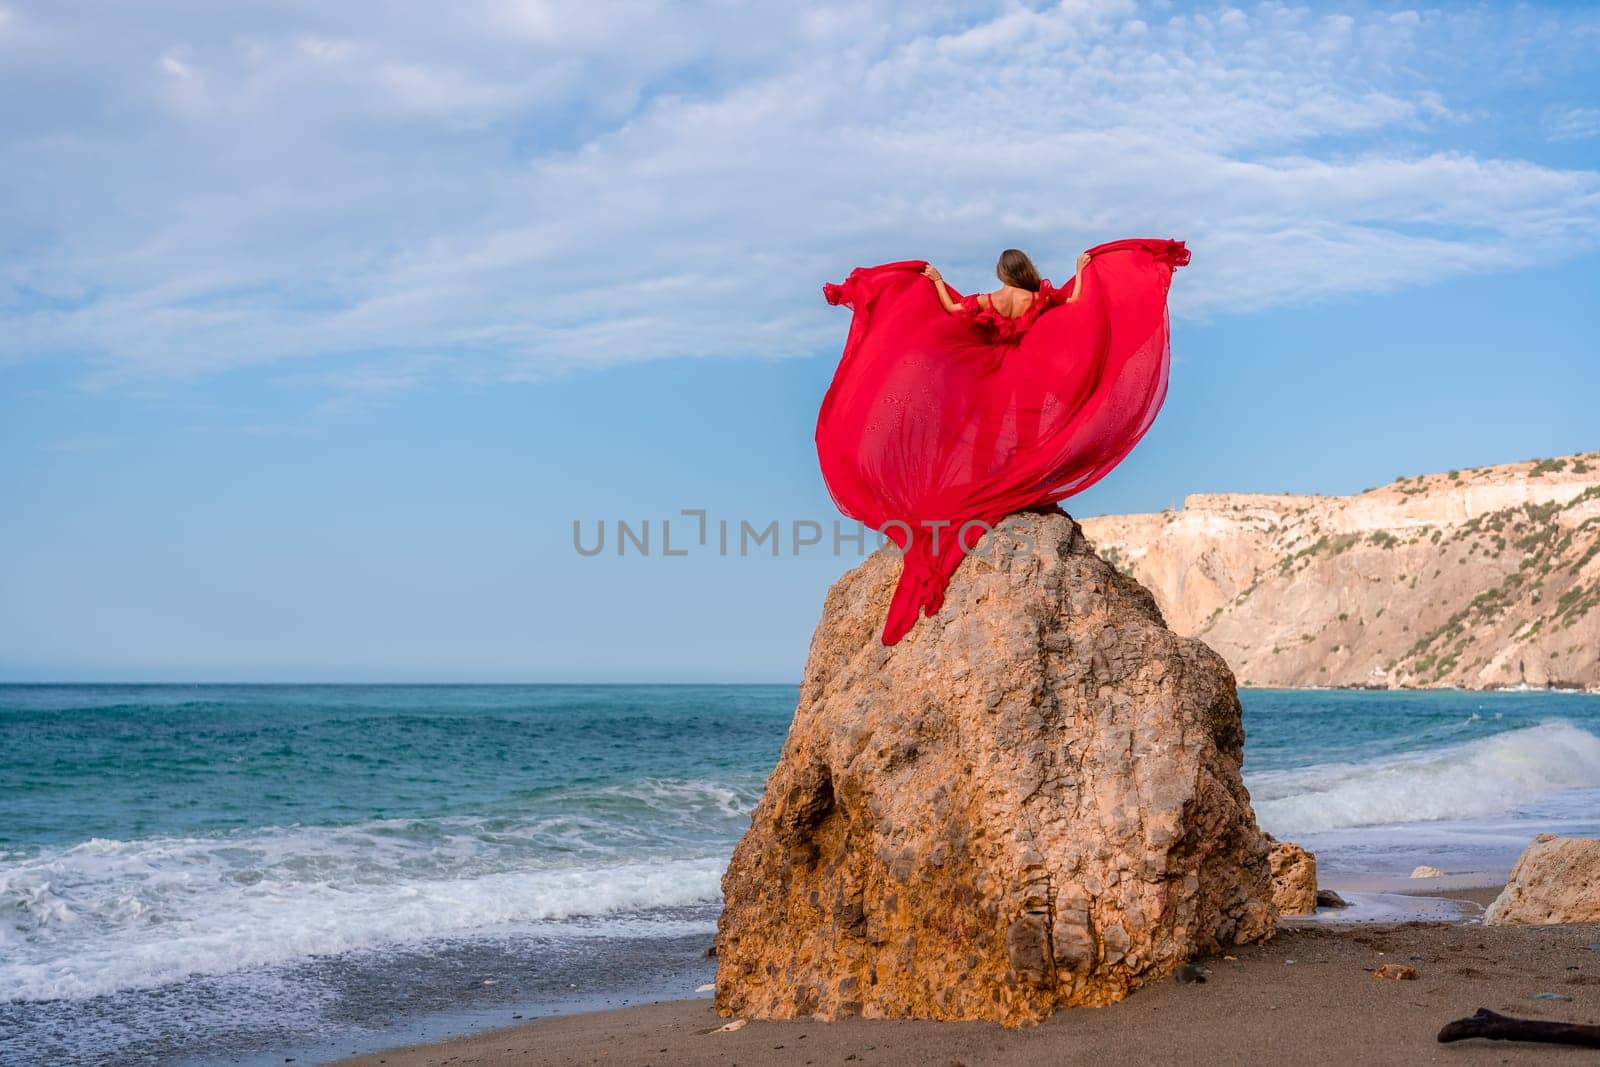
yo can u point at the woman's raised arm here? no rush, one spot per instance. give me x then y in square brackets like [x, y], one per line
[951, 305]
[1077, 279]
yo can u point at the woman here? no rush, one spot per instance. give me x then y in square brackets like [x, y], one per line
[948, 413]
[1019, 292]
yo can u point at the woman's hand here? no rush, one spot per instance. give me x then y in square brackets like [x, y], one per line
[932, 274]
[1077, 279]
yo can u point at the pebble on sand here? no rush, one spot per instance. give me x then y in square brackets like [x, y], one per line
[1399, 972]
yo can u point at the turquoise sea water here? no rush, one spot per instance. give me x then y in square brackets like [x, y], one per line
[215, 873]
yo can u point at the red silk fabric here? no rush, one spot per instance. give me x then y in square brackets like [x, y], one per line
[939, 418]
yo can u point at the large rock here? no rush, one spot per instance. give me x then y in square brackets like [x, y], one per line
[1294, 879]
[1556, 880]
[1031, 801]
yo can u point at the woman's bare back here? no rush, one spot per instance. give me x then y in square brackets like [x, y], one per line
[1011, 301]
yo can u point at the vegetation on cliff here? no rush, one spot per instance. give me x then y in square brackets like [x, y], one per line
[1477, 578]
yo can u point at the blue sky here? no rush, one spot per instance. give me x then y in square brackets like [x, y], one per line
[321, 324]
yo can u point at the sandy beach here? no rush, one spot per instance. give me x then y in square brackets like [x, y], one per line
[1308, 996]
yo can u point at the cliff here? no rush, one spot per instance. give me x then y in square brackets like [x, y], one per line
[1479, 578]
[1032, 801]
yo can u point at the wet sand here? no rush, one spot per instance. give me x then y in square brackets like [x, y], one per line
[1307, 997]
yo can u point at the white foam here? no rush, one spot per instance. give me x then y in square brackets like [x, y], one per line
[104, 916]
[1485, 777]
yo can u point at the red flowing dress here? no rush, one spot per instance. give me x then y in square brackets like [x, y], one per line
[937, 422]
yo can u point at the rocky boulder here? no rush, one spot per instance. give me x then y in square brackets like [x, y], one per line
[1030, 802]
[1294, 879]
[1556, 880]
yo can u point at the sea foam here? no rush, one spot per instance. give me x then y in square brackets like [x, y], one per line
[104, 916]
[1484, 777]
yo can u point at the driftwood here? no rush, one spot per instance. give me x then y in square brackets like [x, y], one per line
[1497, 1027]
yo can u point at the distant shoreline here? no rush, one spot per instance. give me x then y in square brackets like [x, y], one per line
[1482, 577]
[1576, 689]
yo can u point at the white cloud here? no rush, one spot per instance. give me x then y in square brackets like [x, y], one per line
[507, 189]
[1574, 123]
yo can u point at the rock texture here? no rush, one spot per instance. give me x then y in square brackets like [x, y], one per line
[1294, 879]
[1556, 880]
[1032, 801]
[1480, 578]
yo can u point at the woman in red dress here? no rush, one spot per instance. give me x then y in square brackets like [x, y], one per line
[948, 413]
[1018, 297]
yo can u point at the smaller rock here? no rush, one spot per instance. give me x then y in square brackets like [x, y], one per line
[728, 1028]
[1556, 880]
[1294, 879]
[1327, 898]
[1398, 972]
[1425, 871]
[1551, 996]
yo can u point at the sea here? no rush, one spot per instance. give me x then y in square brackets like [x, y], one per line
[198, 874]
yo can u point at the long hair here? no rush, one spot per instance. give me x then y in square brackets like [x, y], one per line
[1015, 268]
